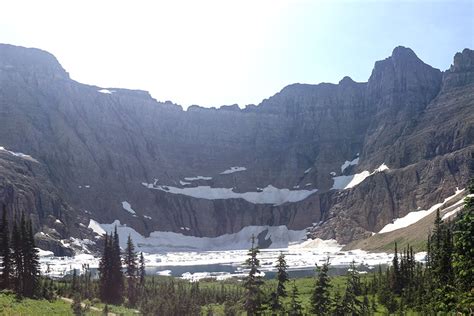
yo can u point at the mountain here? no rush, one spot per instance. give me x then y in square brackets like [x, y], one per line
[348, 157]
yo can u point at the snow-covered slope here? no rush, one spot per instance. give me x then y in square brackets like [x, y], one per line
[268, 195]
[415, 216]
[278, 237]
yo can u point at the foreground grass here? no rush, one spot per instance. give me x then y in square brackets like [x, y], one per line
[118, 310]
[10, 305]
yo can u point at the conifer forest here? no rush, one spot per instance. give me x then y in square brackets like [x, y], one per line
[443, 285]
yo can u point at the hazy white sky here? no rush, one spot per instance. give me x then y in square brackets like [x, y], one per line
[220, 52]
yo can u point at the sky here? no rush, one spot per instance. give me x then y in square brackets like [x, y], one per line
[217, 52]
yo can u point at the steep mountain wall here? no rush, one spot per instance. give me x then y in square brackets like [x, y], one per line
[98, 148]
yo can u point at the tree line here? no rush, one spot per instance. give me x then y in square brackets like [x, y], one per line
[20, 268]
[443, 284]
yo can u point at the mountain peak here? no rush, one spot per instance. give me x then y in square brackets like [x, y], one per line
[346, 80]
[402, 52]
[30, 61]
[463, 61]
[461, 71]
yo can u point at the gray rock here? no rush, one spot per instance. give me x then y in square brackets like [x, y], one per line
[94, 150]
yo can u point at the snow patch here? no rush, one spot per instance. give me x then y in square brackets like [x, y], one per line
[44, 253]
[105, 91]
[184, 183]
[268, 195]
[96, 228]
[348, 163]
[308, 170]
[126, 206]
[17, 154]
[413, 217]
[421, 256]
[455, 208]
[330, 245]
[356, 179]
[332, 173]
[147, 217]
[382, 167]
[350, 181]
[280, 237]
[164, 272]
[197, 178]
[453, 212]
[233, 169]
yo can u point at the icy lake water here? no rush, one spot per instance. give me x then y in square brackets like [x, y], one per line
[214, 270]
[196, 265]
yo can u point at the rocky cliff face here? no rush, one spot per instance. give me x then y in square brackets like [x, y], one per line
[96, 148]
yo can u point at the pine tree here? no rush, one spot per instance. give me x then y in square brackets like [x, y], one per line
[463, 256]
[295, 308]
[110, 271]
[76, 305]
[130, 261]
[116, 275]
[321, 299]
[365, 310]
[282, 275]
[253, 282]
[436, 250]
[17, 259]
[350, 302]
[141, 270]
[282, 278]
[104, 270]
[395, 276]
[5, 252]
[74, 283]
[338, 307]
[30, 261]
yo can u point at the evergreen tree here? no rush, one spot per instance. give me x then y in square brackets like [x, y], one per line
[5, 252]
[295, 308]
[17, 259]
[320, 298]
[365, 310]
[130, 261]
[253, 282]
[338, 307]
[281, 276]
[395, 276]
[116, 275]
[350, 302]
[275, 305]
[463, 256]
[353, 279]
[76, 305]
[105, 269]
[436, 250]
[74, 283]
[30, 261]
[141, 270]
[110, 271]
